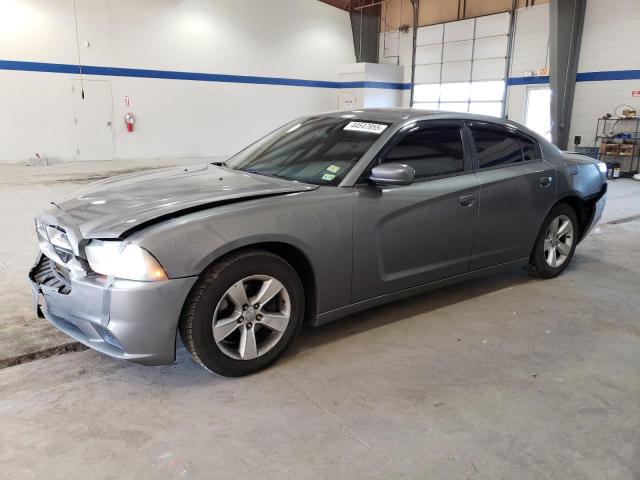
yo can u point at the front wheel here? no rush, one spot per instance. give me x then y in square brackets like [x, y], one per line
[556, 242]
[243, 313]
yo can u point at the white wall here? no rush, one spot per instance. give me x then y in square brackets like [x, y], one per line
[370, 97]
[610, 42]
[302, 39]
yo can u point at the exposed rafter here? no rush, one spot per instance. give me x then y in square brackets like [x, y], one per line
[351, 5]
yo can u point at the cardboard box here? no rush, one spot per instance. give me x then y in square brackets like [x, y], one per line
[628, 149]
[612, 149]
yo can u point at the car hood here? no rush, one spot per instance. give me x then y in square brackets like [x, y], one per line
[109, 208]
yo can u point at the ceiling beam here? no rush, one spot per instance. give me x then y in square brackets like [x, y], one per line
[351, 5]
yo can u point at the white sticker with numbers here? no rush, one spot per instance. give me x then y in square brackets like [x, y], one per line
[376, 128]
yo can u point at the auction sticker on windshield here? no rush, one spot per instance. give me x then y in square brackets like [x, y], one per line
[376, 128]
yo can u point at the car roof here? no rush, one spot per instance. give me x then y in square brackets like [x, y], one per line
[402, 116]
[396, 115]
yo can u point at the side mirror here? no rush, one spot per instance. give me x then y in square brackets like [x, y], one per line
[392, 174]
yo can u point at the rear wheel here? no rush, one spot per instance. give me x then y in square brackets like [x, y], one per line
[243, 313]
[556, 242]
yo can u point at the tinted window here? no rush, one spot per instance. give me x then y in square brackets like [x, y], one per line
[318, 150]
[529, 150]
[496, 147]
[430, 151]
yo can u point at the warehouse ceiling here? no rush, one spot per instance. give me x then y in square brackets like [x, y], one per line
[350, 5]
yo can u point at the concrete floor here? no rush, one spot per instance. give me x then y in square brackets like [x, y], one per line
[501, 377]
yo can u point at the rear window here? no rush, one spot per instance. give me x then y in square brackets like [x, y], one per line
[496, 148]
[529, 150]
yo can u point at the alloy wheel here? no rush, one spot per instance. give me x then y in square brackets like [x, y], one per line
[251, 317]
[558, 241]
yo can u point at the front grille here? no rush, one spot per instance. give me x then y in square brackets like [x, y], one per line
[49, 273]
[60, 271]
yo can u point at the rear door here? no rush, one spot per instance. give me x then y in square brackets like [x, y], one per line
[410, 235]
[517, 189]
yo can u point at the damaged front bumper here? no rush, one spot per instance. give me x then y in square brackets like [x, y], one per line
[125, 319]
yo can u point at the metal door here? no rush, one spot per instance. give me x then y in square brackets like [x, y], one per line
[93, 119]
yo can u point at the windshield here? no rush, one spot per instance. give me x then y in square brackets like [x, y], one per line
[318, 150]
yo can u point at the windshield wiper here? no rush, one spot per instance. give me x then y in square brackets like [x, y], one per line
[220, 164]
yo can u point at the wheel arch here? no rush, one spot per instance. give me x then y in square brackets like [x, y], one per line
[577, 205]
[292, 254]
[303, 267]
[579, 208]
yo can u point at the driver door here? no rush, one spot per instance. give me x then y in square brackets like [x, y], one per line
[410, 235]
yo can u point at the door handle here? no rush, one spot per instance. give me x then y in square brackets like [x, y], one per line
[545, 181]
[466, 200]
[108, 123]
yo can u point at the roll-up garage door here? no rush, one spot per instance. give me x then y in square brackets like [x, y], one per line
[461, 66]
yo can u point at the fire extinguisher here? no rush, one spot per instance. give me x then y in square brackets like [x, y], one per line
[129, 120]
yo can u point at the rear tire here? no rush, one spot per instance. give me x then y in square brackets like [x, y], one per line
[243, 313]
[556, 242]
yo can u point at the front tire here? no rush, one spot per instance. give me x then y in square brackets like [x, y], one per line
[243, 313]
[556, 242]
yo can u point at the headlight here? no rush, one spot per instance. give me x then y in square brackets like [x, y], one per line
[602, 167]
[129, 261]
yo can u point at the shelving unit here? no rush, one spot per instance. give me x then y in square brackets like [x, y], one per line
[625, 155]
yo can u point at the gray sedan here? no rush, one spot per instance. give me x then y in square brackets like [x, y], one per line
[326, 216]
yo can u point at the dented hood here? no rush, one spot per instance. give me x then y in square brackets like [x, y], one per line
[111, 207]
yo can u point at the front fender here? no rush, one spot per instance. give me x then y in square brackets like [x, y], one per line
[252, 240]
[318, 223]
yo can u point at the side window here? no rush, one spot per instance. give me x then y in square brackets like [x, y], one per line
[529, 150]
[431, 151]
[496, 147]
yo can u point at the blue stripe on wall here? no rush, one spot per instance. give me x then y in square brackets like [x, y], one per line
[581, 77]
[202, 77]
[291, 82]
[387, 85]
[527, 80]
[608, 75]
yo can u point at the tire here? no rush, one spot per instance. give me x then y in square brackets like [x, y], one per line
[247, 337]
[543, 262]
